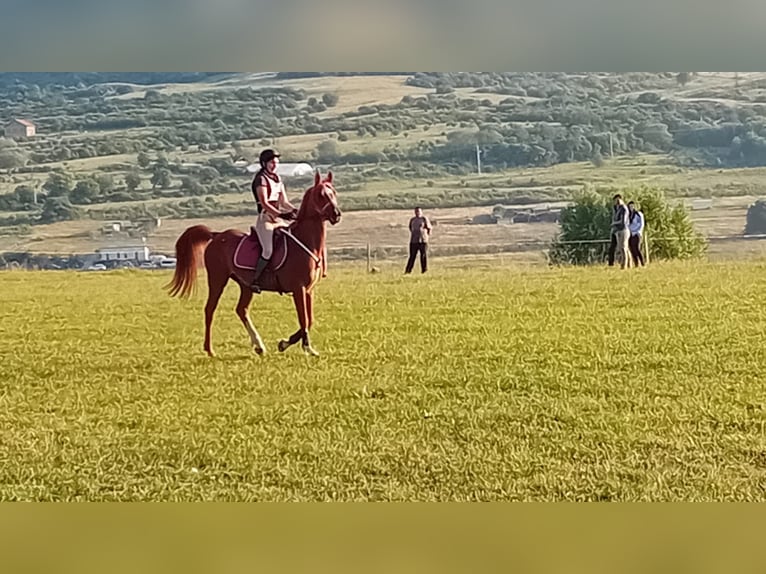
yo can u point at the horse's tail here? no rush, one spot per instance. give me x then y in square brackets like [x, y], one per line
[189, 249]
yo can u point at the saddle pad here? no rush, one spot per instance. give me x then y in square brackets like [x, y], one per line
[249, 250]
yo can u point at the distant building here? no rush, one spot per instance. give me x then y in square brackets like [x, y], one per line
[287, 169]
[18, 128]
[139, 253]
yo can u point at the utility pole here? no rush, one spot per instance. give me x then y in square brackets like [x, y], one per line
[611, 146]
[478, 159]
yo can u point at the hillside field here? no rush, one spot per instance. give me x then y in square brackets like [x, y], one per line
[394, 141]
[474, 382]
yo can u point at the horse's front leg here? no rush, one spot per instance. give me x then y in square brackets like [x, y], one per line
[303, 307]
[299, 297]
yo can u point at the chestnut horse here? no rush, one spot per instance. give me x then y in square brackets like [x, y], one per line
[298, 274]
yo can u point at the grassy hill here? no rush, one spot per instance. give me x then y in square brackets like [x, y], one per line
[394, 140]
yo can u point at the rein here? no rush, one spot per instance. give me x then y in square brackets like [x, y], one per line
[287, 232]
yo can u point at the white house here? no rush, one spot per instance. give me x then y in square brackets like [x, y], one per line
[138, 253]
[287, 169]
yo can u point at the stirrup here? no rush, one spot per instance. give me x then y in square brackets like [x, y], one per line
[255, 285]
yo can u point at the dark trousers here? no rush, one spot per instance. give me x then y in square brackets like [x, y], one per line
[635, 250]
[612, 249]
[416, 248]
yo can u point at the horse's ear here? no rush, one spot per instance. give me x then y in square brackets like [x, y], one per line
[317, 178]
[329, 176]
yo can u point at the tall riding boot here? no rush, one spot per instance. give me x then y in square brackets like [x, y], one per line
[259, 268]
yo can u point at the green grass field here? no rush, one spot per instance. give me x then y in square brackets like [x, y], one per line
[480, 383]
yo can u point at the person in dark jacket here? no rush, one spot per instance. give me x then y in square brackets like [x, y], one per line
[420, 230]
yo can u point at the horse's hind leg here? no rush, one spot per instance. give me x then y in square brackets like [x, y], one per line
[307, 348]
[215, 286]
[245, 296]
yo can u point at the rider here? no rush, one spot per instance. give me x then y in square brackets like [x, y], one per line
[274, 209]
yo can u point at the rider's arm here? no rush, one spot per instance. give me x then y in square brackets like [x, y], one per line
[284, 203]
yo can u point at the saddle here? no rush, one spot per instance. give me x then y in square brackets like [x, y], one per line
[249, 250]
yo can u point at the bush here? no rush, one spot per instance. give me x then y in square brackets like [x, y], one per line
[587, 220]
[58, 209]
[756, 218]
[330, 100]
[669, 229]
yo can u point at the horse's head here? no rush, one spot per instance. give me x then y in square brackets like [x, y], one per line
[321, 200]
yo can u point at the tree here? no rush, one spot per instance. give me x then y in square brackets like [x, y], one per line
[669, 228]
[11, 155]
[24, 194]
[327, 151]
[132, 181]
[330, 100]
[489, 136]
[585, 227]
[58, 184]
[7, 143]
[190, 186]
[463, 137]
[756, 218]
[597, 159]
[143, 160]
[10, 159]
[160, 178]
[656, 134]
[208, 174]
[85, 191]
[105, 184]
[58, 209]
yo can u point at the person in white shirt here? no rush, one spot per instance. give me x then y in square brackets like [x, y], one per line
[636, 227]
[620, 235]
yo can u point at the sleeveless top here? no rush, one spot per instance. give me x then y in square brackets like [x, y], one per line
[273, 184]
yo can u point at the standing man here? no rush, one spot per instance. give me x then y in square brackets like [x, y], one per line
[636, 227]
[620, 233]
[420, 230]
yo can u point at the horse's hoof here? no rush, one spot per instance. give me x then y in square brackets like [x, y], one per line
[282, 346]
[310, 351]
[259, 350]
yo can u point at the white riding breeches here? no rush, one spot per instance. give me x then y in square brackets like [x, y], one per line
[264, 228]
